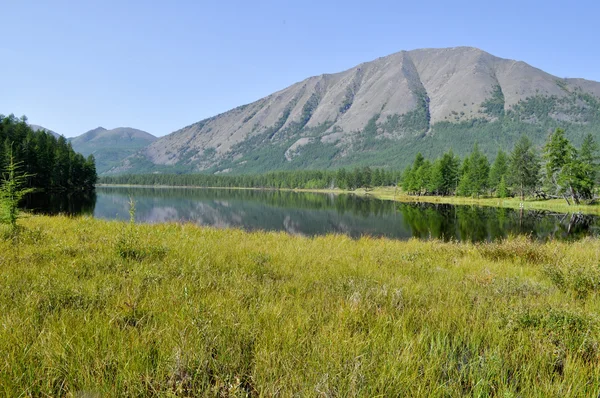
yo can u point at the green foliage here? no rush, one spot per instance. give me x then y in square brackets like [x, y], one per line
[501, 188]
[524, 168]
[498, 171]
[474, 177]
[568, 172]
[494, 106]
[12, 191]
[50, 163]
[341, 178]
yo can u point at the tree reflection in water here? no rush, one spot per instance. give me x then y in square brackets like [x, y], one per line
[317, 214]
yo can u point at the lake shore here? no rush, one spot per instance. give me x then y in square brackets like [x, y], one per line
[390, 193]
[110, 308]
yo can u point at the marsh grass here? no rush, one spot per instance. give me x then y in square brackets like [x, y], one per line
[230, 313]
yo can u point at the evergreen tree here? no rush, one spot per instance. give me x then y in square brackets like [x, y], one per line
[567, 172]
[524, 168]
[341, 179]
[423, 176]
[558, 152]
[474, 174]
[464, 185]
[12, 191]
[407, 180]
[50, 164]
[498, 170]
[502, 190]
[588, 154]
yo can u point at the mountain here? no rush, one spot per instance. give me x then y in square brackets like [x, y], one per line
[381, 113]
[35, 127]
[110, 147]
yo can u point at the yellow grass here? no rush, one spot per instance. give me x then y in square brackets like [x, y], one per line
[98, 308]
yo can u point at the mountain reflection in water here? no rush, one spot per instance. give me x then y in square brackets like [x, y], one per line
[317, 214]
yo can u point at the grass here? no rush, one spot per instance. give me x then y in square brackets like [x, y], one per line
[99, 308]
[555, 205]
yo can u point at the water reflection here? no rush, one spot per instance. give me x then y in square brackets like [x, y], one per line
[315, 214]
[477, 224]
[77, 203]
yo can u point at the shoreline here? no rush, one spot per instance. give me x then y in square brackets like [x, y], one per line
[392, 194]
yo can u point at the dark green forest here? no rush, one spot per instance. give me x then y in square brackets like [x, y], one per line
[303, 179]
[49, 164]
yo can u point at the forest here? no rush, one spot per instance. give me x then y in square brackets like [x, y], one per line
[557, 170]
[49, 163]
[301, 179]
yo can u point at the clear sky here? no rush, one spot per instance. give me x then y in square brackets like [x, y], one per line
[158, 66]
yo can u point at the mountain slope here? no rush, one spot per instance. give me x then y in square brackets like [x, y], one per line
[110, 147]
[381, 113]
[35, 127]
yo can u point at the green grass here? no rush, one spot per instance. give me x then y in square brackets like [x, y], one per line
[97, 308]
[555, 205]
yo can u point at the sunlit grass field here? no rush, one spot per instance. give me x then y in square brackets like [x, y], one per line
[95, 308]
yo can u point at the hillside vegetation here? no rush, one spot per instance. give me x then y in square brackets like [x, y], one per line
[50, 163]
[91, 307]
[381, 114]
[110, 147]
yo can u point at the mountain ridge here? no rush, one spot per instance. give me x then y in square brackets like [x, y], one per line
[110, 147]
[402, 100]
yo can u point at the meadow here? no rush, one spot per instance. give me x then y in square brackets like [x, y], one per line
[103, 308]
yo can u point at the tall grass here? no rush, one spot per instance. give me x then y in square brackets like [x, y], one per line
[207, 312]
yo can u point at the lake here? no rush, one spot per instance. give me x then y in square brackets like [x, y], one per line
[317, 214]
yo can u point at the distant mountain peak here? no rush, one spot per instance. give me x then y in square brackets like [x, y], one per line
[379, 113]
[109, 147]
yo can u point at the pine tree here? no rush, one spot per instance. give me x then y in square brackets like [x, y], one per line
[498, 170]
[524, 167]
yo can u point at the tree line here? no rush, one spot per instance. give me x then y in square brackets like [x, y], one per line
[559, 171]
[49, 163]
[363, 177]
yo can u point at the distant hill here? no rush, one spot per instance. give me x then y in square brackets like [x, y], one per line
[381, 113]
[35, 127]
[110, 147]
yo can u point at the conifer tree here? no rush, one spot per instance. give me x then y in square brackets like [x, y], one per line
[524, 168]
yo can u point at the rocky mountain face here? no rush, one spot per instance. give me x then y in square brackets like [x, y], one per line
[110, 147]
[381, 113]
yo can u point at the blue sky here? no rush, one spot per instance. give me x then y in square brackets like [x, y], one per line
[161, 65]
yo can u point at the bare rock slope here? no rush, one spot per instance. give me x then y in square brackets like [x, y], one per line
[381, 113]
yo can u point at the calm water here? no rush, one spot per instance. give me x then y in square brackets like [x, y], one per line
[315, 214]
